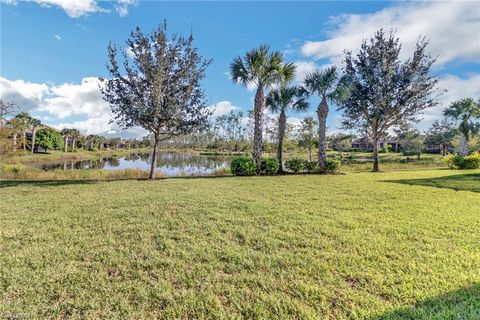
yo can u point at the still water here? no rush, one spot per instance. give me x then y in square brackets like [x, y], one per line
[168, 163]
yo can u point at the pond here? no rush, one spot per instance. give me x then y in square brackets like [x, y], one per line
[168, 163]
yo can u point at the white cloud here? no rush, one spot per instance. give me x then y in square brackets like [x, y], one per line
[223, 107]
[122, 6]
[75, 8]
[457, 88]
[78, 8]
[79, 106]
[26, 95]
[452, 28]
[76, 99]
[56, 36]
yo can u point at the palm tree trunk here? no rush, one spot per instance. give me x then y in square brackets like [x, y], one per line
[73, 144]
[258, 130]
[322, 113]
[24, 140]
[65, 143]
[153, 167]
[14, 137]
[34, 134]
[375, 154]
[463, 149]
[282, 123]
[310, 153]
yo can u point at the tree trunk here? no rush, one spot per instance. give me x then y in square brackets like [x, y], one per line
[258, 130]
[463, 149]
[443, 149]
[322, 113]
[375, 155]
[14, 137]
[65, 143]
[34, 134]
[153, 167]
[310, 152]
[24, 140]
[73, 144]
[282, 123]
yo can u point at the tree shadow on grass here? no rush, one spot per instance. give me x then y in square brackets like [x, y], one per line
[459, 304]
[458, 182]
[43, 183]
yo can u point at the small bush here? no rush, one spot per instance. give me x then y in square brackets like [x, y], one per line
[409, 152]
[333, 165]
[295, 165]
[243, 166]
[458, 162]
[310, 166]
[270, 166]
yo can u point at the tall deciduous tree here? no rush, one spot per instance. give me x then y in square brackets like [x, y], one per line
[442, 133]
[263, 69]
[307, 134]
[158, 87]
[466, 113]
[410, 139]
[331, 88]
[384, 91]
[281, 100]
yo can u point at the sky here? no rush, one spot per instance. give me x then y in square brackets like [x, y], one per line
[53, 51]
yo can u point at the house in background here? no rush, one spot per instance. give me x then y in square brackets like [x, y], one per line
[436, 148]
[364, 144]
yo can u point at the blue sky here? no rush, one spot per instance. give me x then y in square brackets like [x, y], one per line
[52, 50]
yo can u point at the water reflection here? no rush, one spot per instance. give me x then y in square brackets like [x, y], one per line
[169, 164]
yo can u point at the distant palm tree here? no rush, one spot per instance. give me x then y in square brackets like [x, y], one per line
[66, 134]
[35, 124]
[331, 88]
[75, 135]
[261, 68]
[24, 119]
[465, 112]
[280, 100]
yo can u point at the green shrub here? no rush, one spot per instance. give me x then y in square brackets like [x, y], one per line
[310, 166]
[409, 152]
[333, 165]
[243, 166]
[458, 162]
[269, 166]
[295, 165]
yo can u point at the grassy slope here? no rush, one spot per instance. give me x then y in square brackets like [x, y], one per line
[362, 245]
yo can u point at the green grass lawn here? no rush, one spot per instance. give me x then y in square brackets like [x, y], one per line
[392, 245]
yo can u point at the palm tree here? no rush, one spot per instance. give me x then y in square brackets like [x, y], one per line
[75, 135]
[66, 134]
[465, 112]
[24, 118]
[17, 126]
[331, 88]
[280, 100]
[263, 69]
[35, 124]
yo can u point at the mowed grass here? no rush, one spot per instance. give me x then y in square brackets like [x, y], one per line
[392, 245]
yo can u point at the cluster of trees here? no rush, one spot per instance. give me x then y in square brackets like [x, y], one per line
[158, 88]
[377, 92]
[24, 132]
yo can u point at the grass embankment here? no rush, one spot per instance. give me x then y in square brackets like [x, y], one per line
[356, 246]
